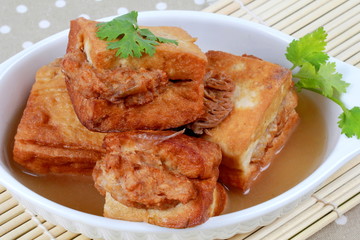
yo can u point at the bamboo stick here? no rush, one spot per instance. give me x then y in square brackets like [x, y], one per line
[338, 20]
[300, 14]
[343, 9]
[14, 223]
[354, 49]
[351, 32]
[316, 212]
[4, 196]
[217, 6]
[349, 165]
[286, 12]
[32, 234]
[81, 237]
[57, 231]
[284, 6]
[227, 10]
[249, 7]
[8, 204]
[313, 15]
[67, 235]
[43, 237]
[318, 225]
[10, 214]
[264, 8]
[345, 26]
[344, 45]
[354, 60]
[20, 230]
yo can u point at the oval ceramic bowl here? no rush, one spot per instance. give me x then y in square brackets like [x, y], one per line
[215, 32]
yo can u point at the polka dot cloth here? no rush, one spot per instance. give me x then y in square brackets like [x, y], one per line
[21, 8]
[122, 11]
[161, 6]
[60, 3]
[5, 29]
[24, 22]
[44, 24]
[27, 44]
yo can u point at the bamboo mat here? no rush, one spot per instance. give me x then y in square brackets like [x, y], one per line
[340, 193]
[340, 18]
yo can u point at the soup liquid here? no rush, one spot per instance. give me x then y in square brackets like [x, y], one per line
[302, 154]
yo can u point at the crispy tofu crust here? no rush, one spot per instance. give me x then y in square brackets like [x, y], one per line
[181, 216]
[262, 118]
[160, 177]
[50, 138]
[173, 99]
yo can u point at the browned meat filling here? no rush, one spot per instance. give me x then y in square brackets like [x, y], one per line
[133, 87]
[141, 180]
[218, 90]
[156, 170]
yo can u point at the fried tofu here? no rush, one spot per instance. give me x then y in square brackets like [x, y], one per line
[262, 119]
[164, 178]
[50, 138]
[181, 216]
[112, 94]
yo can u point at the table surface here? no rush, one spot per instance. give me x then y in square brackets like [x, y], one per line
[24, 22]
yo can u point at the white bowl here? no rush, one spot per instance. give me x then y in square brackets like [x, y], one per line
[215, 32]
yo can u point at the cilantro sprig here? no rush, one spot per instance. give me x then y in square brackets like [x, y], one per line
[318, 75]
[124, 34]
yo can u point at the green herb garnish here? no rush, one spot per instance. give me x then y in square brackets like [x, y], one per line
[318, 75]
[124, 34]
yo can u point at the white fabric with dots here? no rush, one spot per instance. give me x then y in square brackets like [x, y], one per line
[25, 22]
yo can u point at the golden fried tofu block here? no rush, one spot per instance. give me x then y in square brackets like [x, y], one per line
[164, 178]
[112, 94]
[50, 138]
[262, 118]
[181, 216]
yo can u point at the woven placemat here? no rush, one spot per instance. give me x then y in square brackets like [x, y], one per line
[340, 18]
[337, 195]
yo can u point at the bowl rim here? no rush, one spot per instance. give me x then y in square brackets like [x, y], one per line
[305, 186]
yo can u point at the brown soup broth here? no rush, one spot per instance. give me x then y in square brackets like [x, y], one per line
[293, 164]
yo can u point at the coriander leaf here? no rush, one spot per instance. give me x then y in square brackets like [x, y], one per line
[308, 78]
[332, 79]
[308, 49]
[325, 80]
[129, 17]
[132, 44]
[149, 35]
[349, 122]
[317, 58]
[124, 34]
[114, 29]
[318, 75]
